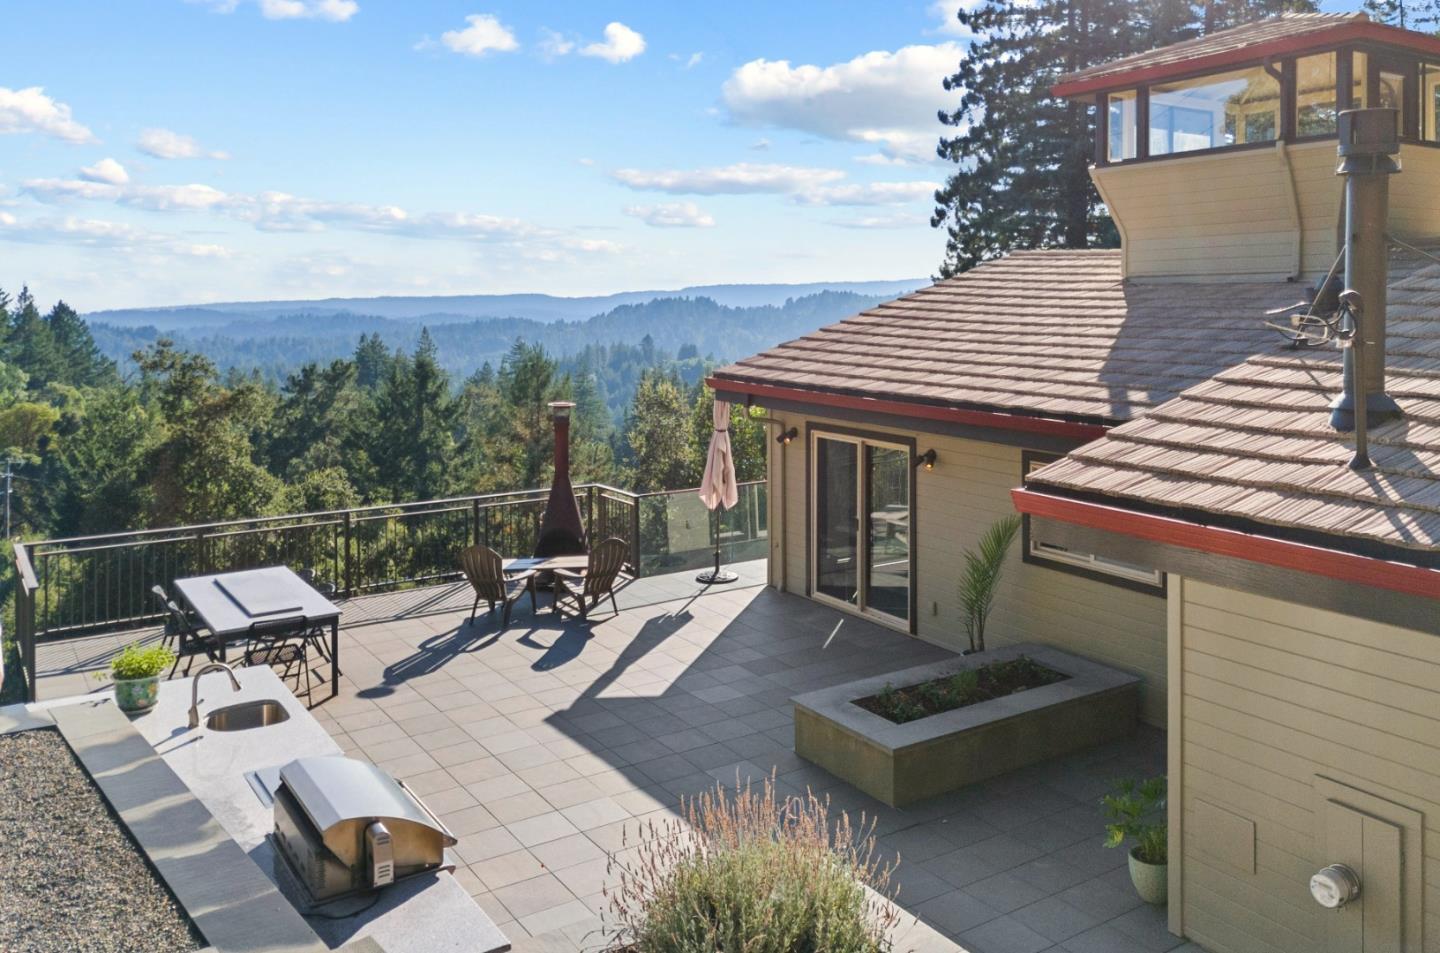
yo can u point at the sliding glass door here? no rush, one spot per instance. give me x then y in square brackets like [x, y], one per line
[860, 524]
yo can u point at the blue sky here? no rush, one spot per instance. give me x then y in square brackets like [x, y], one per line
[167, 151]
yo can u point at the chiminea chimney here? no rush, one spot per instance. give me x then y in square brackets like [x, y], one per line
[562, 532]
[1368, 140]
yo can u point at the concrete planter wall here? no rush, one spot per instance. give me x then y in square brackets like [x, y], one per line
[902, 764]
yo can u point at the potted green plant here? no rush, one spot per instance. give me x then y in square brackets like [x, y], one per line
[136, 673]
[1136, 811]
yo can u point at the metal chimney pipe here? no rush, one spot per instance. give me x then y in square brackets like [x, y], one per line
[562, 531]
[1368, 140]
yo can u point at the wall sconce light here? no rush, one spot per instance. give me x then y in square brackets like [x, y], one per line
[926, 459]
[788, 436]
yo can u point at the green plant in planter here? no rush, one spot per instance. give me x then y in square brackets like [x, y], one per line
[1136, 812]
[135, 662]
[136, 672]
[981, 578]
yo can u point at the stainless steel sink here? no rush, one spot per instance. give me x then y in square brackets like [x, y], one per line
[256, 714]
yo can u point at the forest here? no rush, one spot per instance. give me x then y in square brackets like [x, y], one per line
[165, 437]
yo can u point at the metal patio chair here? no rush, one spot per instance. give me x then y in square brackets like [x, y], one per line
[182, 633]
[586, 588]
[284, 642]
[486, 571]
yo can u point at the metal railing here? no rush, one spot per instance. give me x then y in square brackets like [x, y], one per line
[92, 583]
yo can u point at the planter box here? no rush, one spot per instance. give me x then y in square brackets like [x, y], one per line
[902, 764]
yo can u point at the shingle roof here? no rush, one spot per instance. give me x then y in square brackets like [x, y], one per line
[1055, 334]
[1287, 26]
[1255, 446]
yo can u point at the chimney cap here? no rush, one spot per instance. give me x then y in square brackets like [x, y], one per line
[562, 408]
[1369, 132]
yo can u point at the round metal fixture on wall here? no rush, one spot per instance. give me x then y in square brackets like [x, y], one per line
[1334, 886]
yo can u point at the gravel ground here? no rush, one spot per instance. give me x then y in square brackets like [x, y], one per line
[73, 882]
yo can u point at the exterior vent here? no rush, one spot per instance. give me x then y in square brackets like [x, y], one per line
[1368, 144]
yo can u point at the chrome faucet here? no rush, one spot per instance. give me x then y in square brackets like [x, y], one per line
[195, 688]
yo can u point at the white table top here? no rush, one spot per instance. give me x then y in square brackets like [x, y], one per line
[230, 602]
[546, 562]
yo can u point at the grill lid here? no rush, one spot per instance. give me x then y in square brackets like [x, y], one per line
[332, 790]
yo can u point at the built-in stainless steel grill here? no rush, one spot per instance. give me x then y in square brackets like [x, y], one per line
[344, 825]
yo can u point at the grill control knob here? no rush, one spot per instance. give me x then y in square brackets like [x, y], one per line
[1334, 886]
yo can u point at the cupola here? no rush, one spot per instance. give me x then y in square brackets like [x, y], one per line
[1217, 156]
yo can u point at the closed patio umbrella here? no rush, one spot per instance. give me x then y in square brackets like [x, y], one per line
[717, 488]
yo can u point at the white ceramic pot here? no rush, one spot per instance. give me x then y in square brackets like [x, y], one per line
[1150, 880]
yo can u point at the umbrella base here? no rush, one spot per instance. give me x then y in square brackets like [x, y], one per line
[712, 576]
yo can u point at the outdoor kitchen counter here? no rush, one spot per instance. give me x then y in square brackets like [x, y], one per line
[425, 914]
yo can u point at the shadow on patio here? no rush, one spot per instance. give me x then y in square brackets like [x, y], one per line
[542, 744]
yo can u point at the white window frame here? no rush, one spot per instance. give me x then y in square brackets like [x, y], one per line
[1089, 562]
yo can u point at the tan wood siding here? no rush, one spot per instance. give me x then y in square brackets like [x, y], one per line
[969, 490]
[1236, 213]
[1272, 695]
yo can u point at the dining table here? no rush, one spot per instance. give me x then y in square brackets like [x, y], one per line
[546, 563]
[229, 603]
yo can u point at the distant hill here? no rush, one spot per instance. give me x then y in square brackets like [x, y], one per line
[699, 326]
[455, 309]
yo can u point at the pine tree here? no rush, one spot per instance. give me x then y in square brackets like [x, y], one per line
[659, 431]
[412, 434]
[1406, 14]
[32, 346]
[80, 360]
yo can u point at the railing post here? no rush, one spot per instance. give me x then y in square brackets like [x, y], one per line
[635, 534]
[475, 522]
[349, 577]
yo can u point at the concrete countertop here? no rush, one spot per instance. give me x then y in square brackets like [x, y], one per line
[426, 914]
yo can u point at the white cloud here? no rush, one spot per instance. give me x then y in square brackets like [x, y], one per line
[553, 44]
[484, 34]
[107, 171]
[30, 110]
[85, 232]
[889, 99]
[176, 198]
[742, 178]
[691, 61]
[335, 11]
[880, 158]
[620, 44]
[672, 215]
[168, 144]
[870, 193]
[60, 190]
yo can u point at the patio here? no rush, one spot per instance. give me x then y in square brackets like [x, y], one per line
[542, 744]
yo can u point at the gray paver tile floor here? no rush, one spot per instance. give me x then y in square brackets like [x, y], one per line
[542, 745]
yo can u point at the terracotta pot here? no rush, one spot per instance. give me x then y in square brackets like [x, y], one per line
[1151, 880]
[137, 694]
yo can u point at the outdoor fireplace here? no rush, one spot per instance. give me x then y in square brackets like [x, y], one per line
[562, 532]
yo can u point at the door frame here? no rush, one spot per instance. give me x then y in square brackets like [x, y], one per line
[815, 431]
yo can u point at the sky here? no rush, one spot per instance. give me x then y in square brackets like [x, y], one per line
[184, 151]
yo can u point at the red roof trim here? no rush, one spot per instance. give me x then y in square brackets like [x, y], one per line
[1330, 563]
[1311, 40]
[900, 408]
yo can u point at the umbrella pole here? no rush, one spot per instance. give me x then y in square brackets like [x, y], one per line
[717, 575]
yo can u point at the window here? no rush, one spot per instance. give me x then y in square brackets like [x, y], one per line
[1095, 566]
[1316, 83]
[1390, 94]
[1121, 125]
[1430, 102]
[1360, 80]
[1210, 112]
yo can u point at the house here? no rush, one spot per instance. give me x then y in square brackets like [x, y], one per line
[1196, 508]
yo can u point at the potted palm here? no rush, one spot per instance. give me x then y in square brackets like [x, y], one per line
[1136, 812]
[136, 674]
[981, 578]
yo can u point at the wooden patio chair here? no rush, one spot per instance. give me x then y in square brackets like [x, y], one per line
[284, 642]
[486, 571]
[597, 581]
[182, 632]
